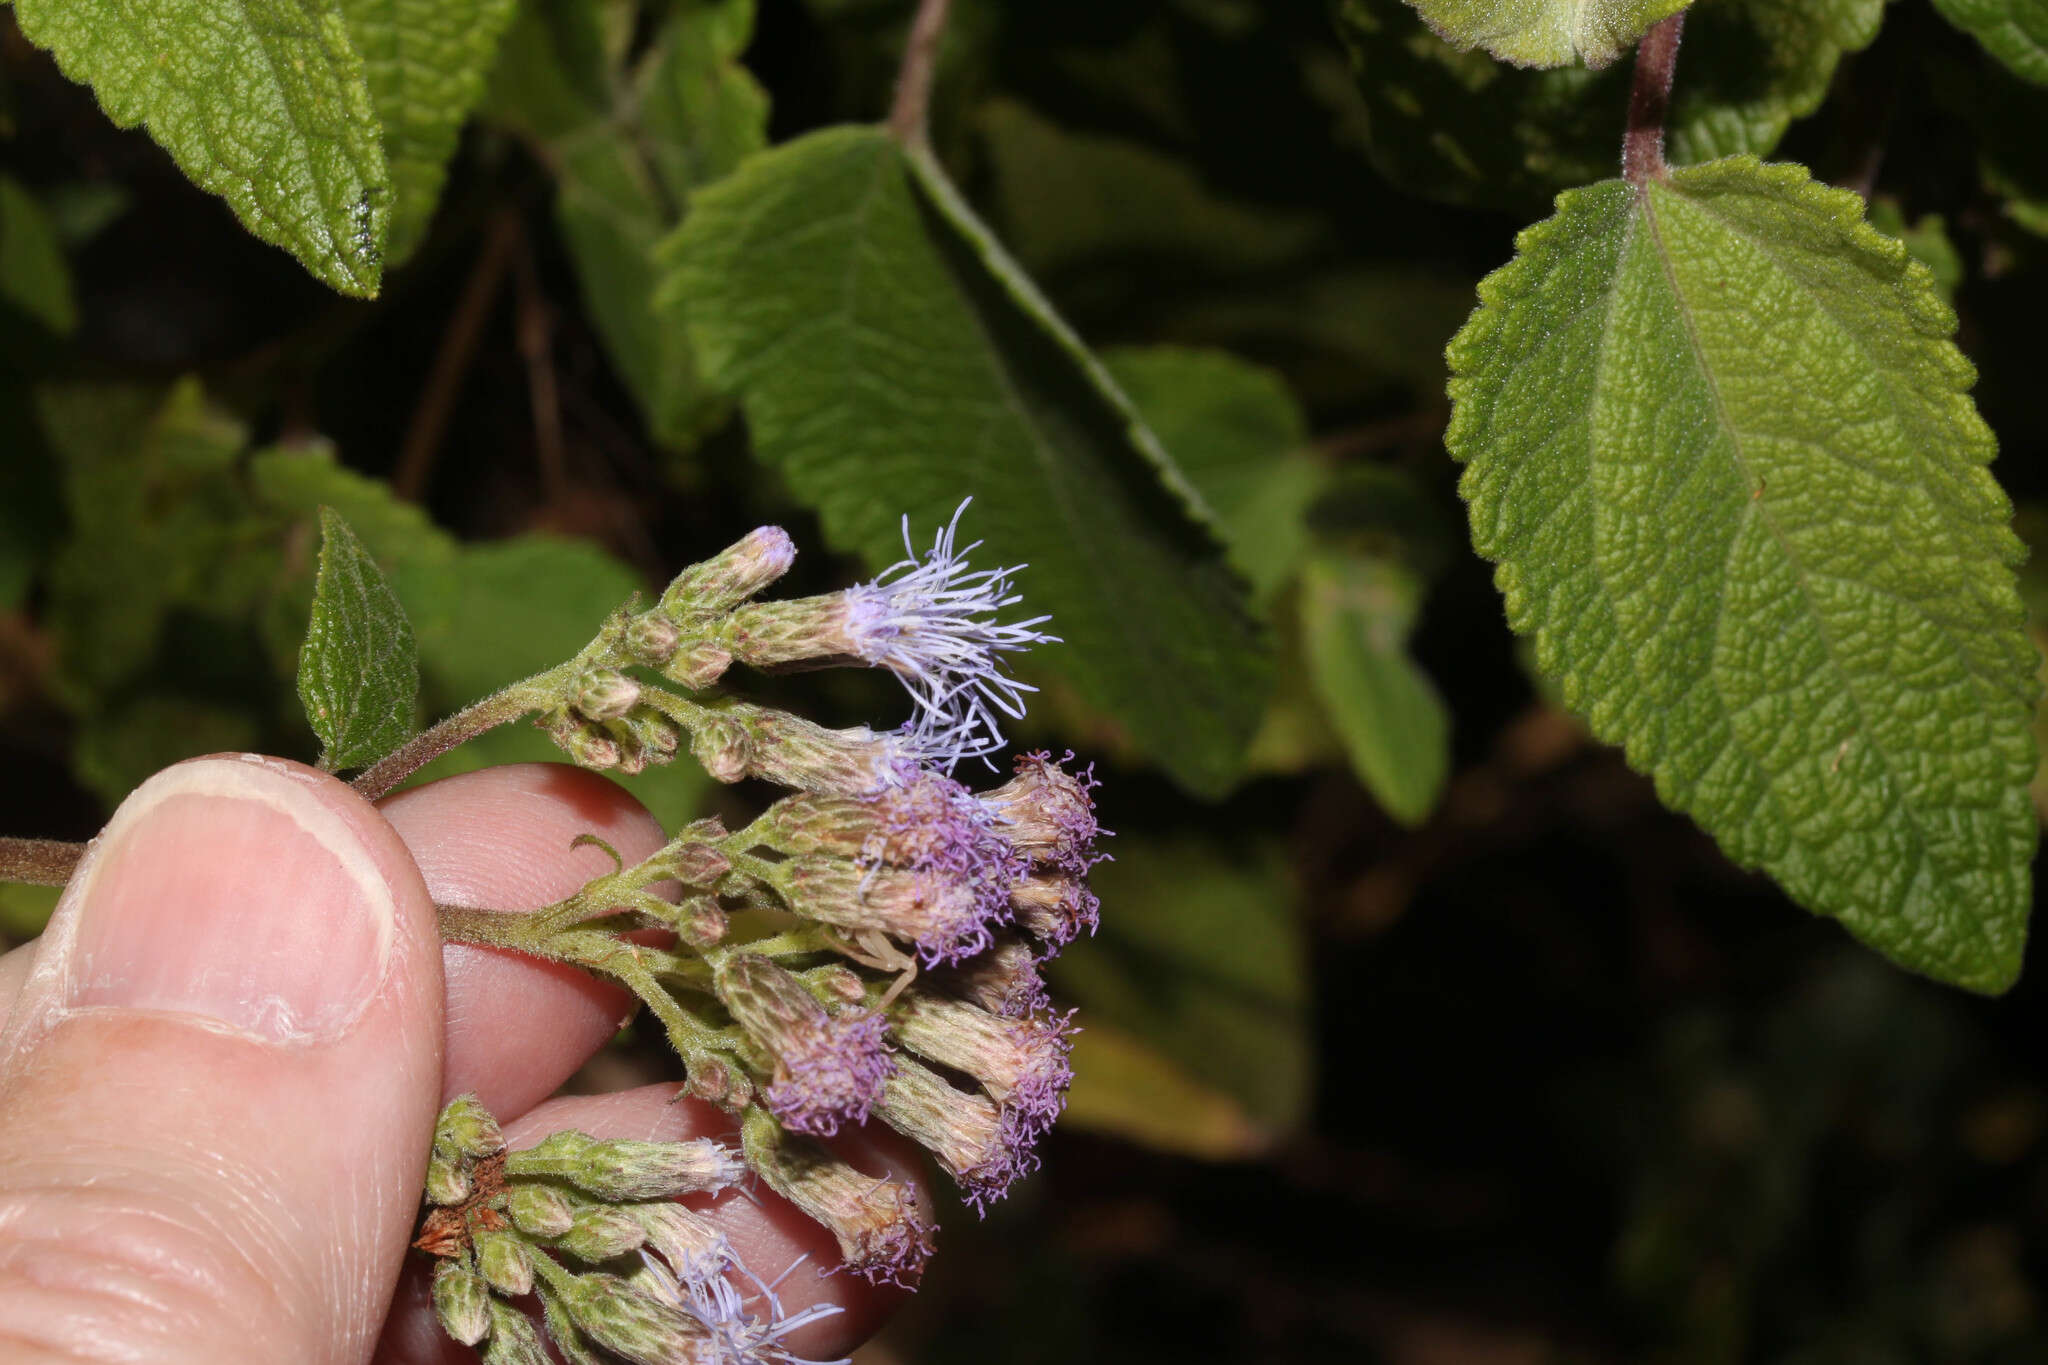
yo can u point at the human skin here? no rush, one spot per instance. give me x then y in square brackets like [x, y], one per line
[179, 1186]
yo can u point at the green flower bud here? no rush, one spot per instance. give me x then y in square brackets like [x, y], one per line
[601, 1232]
[720, 745]
[538, 1210]
[698, 666]
[506, 1263]
[447, 1179]
[514, 1341]
[628, 1169]
[604, 694]
[628, 1323]
[466, 1127]
[718, 1081]
[652, 638]
[462, 1302]
[693, 1248]
[731, 576]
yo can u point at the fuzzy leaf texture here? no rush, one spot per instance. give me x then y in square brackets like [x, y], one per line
[1721, 446]
[425, 61]
[891, 358]
[2014, 31]
[359, 673]
[1546, 32]
[262, 102]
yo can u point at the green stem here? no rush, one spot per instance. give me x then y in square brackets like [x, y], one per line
[466, 724]
[39, 862]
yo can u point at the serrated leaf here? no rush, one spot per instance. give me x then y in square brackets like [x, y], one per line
[1357, 613]
[425, 62]
[1455, 126]
[1546, 32]
[1721, 446]
[1201, 958]
[2014, 31]
[359, 672]
[1241, 439]
[34, 275]
[891, 359]
[262, 102]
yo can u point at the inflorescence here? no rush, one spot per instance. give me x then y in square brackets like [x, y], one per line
[869, 947]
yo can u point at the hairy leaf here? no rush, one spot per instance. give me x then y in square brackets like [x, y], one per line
[1455, 126]
[262, 102]
[891, 359]
[359, 672]
[1546, 32]
[1356, 616]
[1722, 448]
[2014, 31]
[425, 61]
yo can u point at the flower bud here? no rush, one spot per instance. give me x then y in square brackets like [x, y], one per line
[1055, 909]
[586, 744]
[628, 1323]
[701, 922]
[604, 694]
[467, 1128]
[461, 1301]
[717, 1081]
[628, 1169]
[600, 1232]
[946, 918]
[843, 984]
[506, 1264]
[793, 752]
[731, 576]
[720, 744]
[652, 638]
[513, 1340]
[1004, 980]
[826, 1067]
[883, 1230]
[697, 665]
[447, 1178]
[965, 1132]
[1021, 1063]
[692, 1246]
[695, 864]
[1047, 812]
[538, 1210]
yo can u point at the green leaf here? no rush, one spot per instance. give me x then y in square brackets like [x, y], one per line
[1237, 433]
[1130, 1088]
[425, 62]
[359, 673]
[2014, 31]
[1200, 957]
[1455, 126]
[891, 359]
[1357, 613]
[1546, 32]
[34, 275]
[24, 910]
[1721, 446]
[262, 102]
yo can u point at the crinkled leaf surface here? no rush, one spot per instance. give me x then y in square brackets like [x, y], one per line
[1356, 615]
[1722, 448]
[359, 672]
[425, 61]
[1454, 126]
[2014, 31]
[1546, 32]
[262, 102]
[891, 359]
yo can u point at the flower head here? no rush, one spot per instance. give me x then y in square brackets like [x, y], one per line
[1047, 812]
[826, 1068]
[1022, 1064]
[738, 1336]
[966, 1132]
[882, 1227]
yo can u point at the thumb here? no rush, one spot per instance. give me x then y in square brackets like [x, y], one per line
[218, 1085]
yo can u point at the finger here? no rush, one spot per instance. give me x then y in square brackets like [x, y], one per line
[218, 1083]
[775, 1241]
[13, 971]
[502, 838]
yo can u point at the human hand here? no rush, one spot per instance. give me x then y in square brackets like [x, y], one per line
[220, 1066]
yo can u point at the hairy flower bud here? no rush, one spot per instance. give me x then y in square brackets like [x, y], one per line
[646, 738]
[882, 1227]
[585, 742]
[624, 1168]
[692, 1246]
[506, 1264]
[447, 1178]
[466, 1128]
[946, 918]
[652, 638]
[461, 1301]
[697, 665]
[1004, 980]
[965, 1132]
[1055, 908]
[604, 694]
[1022, 1064]
[825, 1067]
[721, 745]
[1047, 813]
[701, 922]
[717, 1081]
[731, 576]
[642, 1329]
[600, 1232]
[513, 1340]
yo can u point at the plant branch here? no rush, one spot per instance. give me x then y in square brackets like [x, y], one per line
[38, 862]
[1642, 147]
[466, 724]
[910, 115]
[452, 360]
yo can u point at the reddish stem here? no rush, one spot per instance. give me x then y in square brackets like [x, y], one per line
[910, 116]
[39, 862]
[1642, 147]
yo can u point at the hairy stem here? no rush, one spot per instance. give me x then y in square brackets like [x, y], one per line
[466, 724]
[1642, 147]
[910, 116]
[39, 862]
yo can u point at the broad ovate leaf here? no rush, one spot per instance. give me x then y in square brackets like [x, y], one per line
[891, 359]
[1546, 32]
[2014, 31]
[425, 61]
[262, 102]
[1722, 448]
[359, 671]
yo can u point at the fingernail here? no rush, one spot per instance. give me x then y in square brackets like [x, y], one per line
[227, 890]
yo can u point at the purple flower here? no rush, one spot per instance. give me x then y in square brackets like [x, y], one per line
[824, 1068]
[738, 1337]
[1047, 813]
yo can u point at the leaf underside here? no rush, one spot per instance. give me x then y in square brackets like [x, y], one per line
[890, 360]
[2014, 31]
[262, 102]
[1546, 32]
[1721, 447]
[359, 672]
